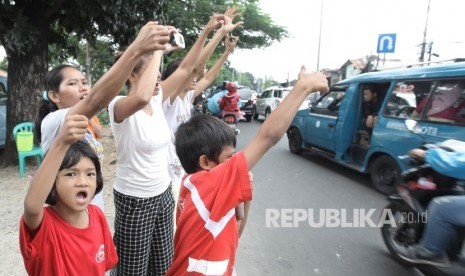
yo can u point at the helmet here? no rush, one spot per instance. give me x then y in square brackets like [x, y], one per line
[231, 87]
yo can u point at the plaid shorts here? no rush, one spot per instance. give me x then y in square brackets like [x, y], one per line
[143, 234]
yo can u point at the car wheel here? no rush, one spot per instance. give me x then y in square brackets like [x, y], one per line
[295, 140]
[248, 117]
[267, 112]
[255, 114]
[385, 174]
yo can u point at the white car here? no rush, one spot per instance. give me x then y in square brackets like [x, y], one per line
[269, 100]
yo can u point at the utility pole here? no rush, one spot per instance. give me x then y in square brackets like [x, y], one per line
[88, 65]
[319, 39]
[423, 45]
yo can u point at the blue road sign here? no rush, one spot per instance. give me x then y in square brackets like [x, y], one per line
[386, 43]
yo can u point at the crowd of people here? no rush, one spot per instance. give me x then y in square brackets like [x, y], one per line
[179, 180]
[178, 177]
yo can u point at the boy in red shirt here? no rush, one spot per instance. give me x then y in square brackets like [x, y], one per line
[69, 236]
[217, 180]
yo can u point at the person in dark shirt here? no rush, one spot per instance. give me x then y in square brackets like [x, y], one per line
[370, 107]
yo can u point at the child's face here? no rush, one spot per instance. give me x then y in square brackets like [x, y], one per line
[73, 88]
[76, 185]
[226, 153]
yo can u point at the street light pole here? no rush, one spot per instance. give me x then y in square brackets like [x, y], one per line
[319, 38]
[423, 45]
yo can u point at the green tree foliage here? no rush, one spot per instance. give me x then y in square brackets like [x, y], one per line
[41, 33]
[4, 64]
[27, 28]
[258, 31]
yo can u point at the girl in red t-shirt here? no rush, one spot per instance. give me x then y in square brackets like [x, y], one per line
[61, 233]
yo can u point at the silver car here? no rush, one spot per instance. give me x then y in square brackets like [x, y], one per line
[269, 100]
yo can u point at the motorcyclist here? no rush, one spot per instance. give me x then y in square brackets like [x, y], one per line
[445, 213]
[229, 102]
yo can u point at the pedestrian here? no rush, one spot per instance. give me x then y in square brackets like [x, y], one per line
[218, 180]
[177, 107]
[142, 193]
[68, 92]
[60, 232]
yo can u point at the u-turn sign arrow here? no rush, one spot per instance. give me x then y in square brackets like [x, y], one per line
[386, 43]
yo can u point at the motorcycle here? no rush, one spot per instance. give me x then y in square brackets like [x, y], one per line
[231, 120]
[419, 185]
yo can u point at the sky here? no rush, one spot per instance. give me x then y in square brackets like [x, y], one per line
[350, 29]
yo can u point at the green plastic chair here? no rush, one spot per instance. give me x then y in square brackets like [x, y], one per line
[23, 134]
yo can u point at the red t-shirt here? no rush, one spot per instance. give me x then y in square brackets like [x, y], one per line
[206, 235]
[58, 248]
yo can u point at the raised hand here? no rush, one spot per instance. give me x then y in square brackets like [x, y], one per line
[73, 129]
[152, 37]
[162, 36]
[313, 82]
[230, 14]
[215, 22]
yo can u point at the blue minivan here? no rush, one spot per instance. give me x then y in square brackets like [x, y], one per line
[332, 125]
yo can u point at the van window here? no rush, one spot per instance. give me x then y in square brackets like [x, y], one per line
[434, 101]
[445, 104]
[329, 103]
[277, 93]
[266, 94]
[403, 100]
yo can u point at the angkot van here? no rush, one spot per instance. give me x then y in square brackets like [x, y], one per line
[333, 126]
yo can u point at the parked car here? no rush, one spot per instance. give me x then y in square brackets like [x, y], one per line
[332, 125]
[269, 100]
[3, 97]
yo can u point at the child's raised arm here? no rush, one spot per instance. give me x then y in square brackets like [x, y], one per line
[279, 120]
[72, 130]
[180, 78]
[143, 91]
[149, 39]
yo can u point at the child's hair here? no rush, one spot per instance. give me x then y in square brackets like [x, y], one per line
[171, 67]
[74, 154]
[52, 83]
[201, 135]
[142, 61]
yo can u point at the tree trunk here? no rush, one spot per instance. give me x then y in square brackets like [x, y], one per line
[26, 77]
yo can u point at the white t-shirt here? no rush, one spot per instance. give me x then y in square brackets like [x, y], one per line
[50, 127]
[177, 113]
[142, 151]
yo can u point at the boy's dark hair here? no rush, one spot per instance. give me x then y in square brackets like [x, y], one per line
[75, 152]
[201, 135]
[375, 89]
[171, 67]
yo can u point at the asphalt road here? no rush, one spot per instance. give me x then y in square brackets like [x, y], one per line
[278, 238]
